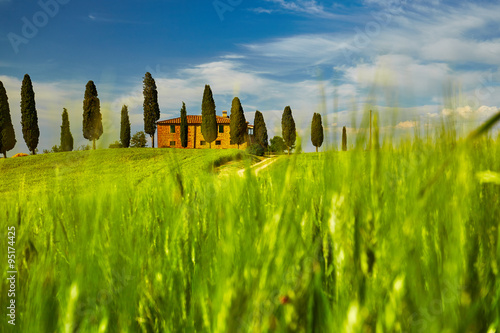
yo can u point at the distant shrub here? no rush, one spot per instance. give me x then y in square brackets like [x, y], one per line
[116, 144]
[55, 149]
[225, 159]
[277, 145]
[138, 140]
[256, 149]
[84, 147]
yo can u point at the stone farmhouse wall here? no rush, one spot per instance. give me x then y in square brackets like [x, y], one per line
[169, 135]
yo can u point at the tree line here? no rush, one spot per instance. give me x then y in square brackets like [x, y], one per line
[92, 119]
[92, 122]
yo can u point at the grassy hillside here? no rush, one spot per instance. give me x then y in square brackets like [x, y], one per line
[394, 240]
[83, 170]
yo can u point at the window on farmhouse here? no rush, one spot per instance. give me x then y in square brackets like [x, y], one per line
[202, 143]
[172, 128]
[172, 143]
[217, 143]
[221, 128]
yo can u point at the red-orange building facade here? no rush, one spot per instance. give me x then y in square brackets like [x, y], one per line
[169, 133]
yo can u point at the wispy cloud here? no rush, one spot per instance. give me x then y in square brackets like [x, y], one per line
[96, 17]
[415, 55]
[233, 56]
[387, 3]
[308, 7]
[303, 50]
[260, 10]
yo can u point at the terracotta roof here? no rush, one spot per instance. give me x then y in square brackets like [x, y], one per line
[192, 120]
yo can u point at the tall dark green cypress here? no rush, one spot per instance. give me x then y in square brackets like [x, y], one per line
[238, 123]
[151, 107]
[288, 129]
[7, 134]
[184, 126]
[92, 118]
[260, 130]
[344, 139]
[125, 128]
[317, 131]
[66, 136]
[209, 120]
[29, 117]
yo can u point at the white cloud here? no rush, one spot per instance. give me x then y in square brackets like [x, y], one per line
[309, 7]
[432, 33]
[233, 56]
[302, 50]
[462, 51]
[409, 76]
[260, 10]
[415, 55]
[406, 124]
[467, 112]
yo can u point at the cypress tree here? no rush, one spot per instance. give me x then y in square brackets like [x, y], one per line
[184, 126]
[238, 124]
[317, 131]
[92, 118]
[125, 128]
[209, 120]
[151, 107]
[260, 129]
[7, 134]
[288, 129]
[344, 139]
[66, 137]
[29, 117]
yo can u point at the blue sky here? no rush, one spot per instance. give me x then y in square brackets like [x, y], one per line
[429, 58]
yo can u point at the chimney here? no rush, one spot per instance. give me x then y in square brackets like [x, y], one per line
[224, 114]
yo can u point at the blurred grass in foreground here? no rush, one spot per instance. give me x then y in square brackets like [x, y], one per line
[398, 239]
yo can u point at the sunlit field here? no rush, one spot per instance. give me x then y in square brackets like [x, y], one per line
[399, 238]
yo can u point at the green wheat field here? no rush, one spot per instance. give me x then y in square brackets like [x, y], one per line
[400, 238]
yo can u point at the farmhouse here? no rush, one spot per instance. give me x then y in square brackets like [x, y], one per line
[169, 133]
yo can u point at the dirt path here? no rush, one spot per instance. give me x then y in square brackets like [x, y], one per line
[256, 168]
